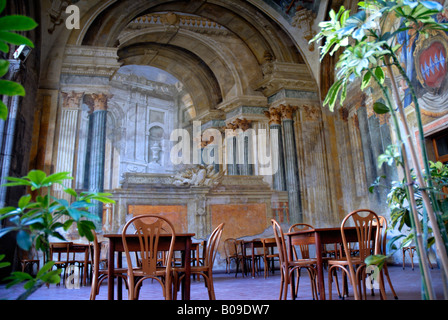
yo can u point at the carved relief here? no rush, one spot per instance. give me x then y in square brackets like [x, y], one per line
[287, 111]
[304, 20]
[198, 176]
[311, 113]
[71, 99]
[274, 115]
[100, 101]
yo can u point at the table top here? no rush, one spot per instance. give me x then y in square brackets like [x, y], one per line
[130, 235]
[331, 229]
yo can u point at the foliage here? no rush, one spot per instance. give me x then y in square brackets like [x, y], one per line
[9, 24]
[366, 39]
[37, 221]
[398, 202]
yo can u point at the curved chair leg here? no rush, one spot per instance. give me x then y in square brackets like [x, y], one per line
[386, 274]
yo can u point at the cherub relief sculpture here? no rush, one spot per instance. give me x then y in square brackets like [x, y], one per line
[198, 176]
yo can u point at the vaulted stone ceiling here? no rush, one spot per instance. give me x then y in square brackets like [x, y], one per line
[225, 53]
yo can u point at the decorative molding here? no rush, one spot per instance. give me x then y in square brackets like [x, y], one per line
[288, 111]
[304, 20]
[92, 61]
[274, 115]
[232, 104]
[71, 99]
[280, 75]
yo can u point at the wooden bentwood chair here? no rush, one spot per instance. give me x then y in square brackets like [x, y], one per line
[368, 242]
[62, 252]
[100, 271]
[305, 254]
[383, 240]
[205, 270]
[148, 229]
[232, 252]
[269, 256]
[287, 267]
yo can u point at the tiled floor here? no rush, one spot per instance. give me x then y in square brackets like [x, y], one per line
[406, 283]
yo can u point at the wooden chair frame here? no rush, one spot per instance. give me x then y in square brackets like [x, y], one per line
[61, 263]
[99, 275]
[269, 257]
[205, 270]
[287, 266]
[148, 234]
[232, 253]
[365, 227]
[305, 254]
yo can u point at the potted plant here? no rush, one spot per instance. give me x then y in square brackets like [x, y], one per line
[37, 219]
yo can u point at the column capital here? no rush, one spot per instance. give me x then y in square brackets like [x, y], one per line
[274, 115]
[243, 124]
[71, 99]
[287, 111]
[98, 101]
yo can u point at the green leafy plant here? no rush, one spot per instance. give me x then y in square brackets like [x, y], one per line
[8, 26]
[36, 220]
[367, 45]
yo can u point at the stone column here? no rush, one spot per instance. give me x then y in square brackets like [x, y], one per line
[97, 119]
[245, 168]
[292, 177]
[231, 156]
[67, 144]
[7, 130]
[274, 115]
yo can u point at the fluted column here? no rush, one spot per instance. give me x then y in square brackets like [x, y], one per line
[231, 157]
[97, 119]
[245, 167]
[276, 141]
[292, 177]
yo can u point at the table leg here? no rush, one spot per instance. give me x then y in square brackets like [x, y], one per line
[119, 279]
[110, 270]
[187, 279]
[320, 267]
[86, 259]
[253, 260]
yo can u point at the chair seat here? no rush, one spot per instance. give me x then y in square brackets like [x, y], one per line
[116, 271]
[302, 262]
[344, 261]
[160, 272]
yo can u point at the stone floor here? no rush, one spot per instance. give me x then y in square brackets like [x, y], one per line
[406, 283]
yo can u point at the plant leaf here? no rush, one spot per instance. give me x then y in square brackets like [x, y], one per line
[24, 240]
[15, 38]
[380, 108]
[17, 23]
[10, 88]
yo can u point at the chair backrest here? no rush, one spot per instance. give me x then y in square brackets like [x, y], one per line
[100, 252]
[148, 229]
[212, 246]
[267, 243]
[383, 234]
[230, 247]
[60, 248]
[304, 248]
[365, 222]
[280, 239]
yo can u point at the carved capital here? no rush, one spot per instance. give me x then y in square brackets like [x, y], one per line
[274, 115]
[243, 124]
[97, 101]
[287, 111]
[71, 99]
